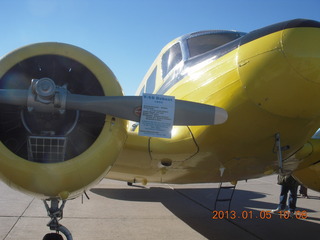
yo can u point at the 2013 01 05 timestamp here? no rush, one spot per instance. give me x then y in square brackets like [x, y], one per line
[249, 214]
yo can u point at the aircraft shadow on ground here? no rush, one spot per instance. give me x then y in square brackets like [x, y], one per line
[194, 207]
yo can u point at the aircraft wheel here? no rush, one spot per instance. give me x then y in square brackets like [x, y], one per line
[52, 236]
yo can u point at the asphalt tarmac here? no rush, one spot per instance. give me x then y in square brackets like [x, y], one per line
[162, 211]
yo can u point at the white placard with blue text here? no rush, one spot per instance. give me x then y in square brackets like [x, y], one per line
[157, 116]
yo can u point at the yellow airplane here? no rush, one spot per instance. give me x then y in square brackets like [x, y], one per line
[241, 105]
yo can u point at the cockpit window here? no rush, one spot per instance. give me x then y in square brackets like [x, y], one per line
[142, 91]
[204, 42]
[151, 82]
[316, 135]
[170, 59]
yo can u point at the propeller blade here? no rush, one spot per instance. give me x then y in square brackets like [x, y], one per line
[14, 96]
[118, 106]
[126, 107]
[186, 113]
[192, 113]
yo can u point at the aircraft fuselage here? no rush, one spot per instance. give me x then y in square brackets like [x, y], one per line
[267, 81]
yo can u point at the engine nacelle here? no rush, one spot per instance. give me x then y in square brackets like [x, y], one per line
[57, 154]
[308, 171]
[309, 177]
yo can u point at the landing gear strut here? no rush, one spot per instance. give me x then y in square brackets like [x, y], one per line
[56, 214]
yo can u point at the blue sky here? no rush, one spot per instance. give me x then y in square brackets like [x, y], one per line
[128, 34]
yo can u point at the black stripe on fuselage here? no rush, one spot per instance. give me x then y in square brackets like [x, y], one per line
[296, 23]
[226, 48]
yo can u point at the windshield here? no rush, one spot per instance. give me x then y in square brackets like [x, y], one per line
[205, 41]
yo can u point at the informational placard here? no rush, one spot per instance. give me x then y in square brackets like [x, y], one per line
[157, 115]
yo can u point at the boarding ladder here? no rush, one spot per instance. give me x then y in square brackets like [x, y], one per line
[225, 194]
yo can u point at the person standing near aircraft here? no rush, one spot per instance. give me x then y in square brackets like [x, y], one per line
[288, 183]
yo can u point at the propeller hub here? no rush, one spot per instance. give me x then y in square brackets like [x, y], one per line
[44, 88]
[45, 96]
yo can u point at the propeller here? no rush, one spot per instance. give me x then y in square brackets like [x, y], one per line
[44, 96]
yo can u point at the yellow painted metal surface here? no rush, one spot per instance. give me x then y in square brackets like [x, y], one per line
[266, 87]
[308, 169]
[285, 66]
[309, 176]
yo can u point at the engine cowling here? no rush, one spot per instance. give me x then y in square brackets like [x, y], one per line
[58, 153]
[308, 170]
